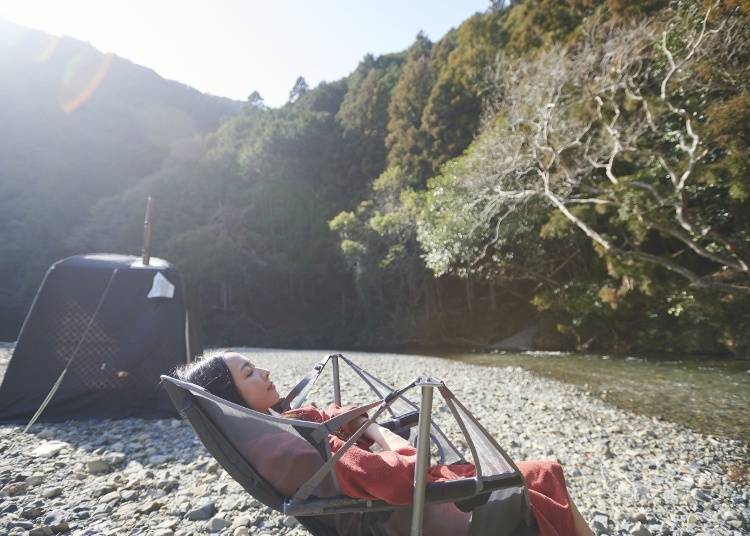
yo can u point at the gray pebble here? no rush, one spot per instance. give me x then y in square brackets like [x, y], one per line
[98, 466]
[217, 524]
[639, 530]
[203, 512]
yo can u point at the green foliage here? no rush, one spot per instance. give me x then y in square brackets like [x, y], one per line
[403, 203]
[535, 24]
[639, 223]
[406, 141]
[363, 115]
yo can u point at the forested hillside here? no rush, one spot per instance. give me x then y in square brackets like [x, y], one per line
[577, 166]
[76, 125]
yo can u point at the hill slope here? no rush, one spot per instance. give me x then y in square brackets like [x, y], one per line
[77, 125]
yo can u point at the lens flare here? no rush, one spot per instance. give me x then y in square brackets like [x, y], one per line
[83, 75]
[46, 49]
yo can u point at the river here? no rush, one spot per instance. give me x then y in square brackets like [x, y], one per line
[711, 396]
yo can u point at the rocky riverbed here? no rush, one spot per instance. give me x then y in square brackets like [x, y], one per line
[629, 474]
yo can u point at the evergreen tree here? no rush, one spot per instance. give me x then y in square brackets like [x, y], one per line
[299, 88]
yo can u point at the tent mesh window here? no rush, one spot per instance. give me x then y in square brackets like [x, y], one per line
[95, 350]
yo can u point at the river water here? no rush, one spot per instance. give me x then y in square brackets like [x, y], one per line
[711, 396]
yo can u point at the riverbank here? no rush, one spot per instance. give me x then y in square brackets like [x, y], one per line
[628, 473]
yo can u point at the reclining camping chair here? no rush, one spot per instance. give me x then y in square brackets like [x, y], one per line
[287, 464]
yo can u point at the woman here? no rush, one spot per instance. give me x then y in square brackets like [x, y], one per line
[386, 475]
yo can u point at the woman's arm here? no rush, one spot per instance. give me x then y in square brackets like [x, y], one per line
[386, 439]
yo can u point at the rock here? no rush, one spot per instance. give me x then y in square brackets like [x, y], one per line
[167, 484]
[98, 466]
[41, 531]
[109, 497]
[241, 521]
[232, 503]
[641, 493]
[600, 522]
[158, 459]
[32, 513]
[241, 531]
[133, 467]
[128, 495]
[212, 467]
[168, 524]
[639, 530]
[151, 506]
[163, 532]
[8, 508]
[55, 518]
[51, 493]
[103, 490]
[203, 512]
[34, 480]
[48, 449]
[700, 495]
[735, 523]
[21, 524]
[217, 524]
[114, 458]
[640, 516]
[15, 489]
[62, 527]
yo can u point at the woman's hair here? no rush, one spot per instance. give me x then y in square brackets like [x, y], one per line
[213, 374]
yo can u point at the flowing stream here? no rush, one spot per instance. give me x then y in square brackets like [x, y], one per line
[711, 396]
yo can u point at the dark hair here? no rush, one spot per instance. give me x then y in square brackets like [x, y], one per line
[213, 374]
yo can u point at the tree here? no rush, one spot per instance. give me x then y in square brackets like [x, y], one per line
[603, 127]
[255, 100]
[614, 136]
[299, 88]
[364, 116]
[407, 141]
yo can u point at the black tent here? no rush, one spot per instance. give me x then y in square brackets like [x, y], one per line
[116, 324]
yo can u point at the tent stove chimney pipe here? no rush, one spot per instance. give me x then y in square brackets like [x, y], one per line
[146, 250]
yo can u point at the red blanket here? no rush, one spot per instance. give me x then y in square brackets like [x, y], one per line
[389, 476]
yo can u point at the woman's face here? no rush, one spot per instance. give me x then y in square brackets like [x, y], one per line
[254, 384]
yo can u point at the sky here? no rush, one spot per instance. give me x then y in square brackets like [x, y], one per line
[231, 48]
